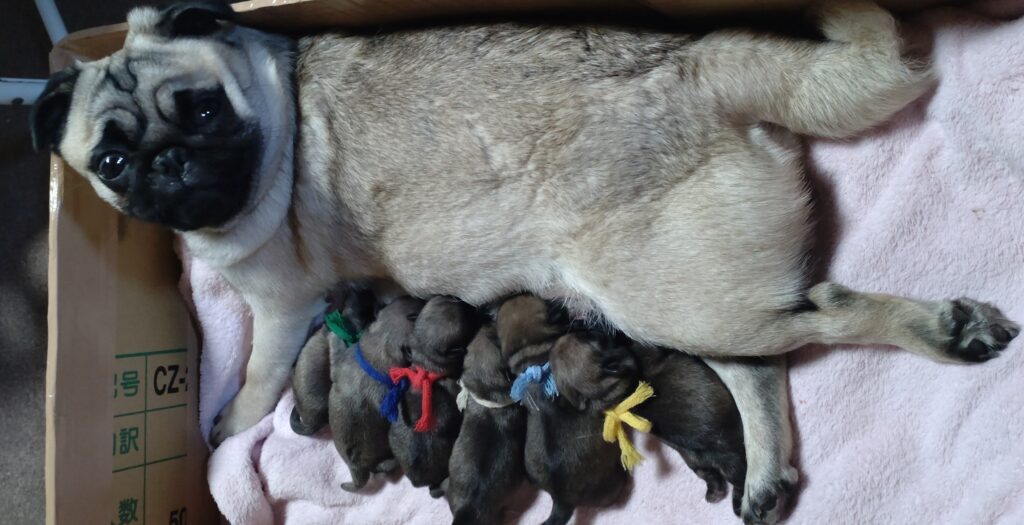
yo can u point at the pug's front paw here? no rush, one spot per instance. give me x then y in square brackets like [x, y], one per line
[244, 411]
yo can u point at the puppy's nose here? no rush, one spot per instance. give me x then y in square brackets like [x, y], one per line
[170, 162]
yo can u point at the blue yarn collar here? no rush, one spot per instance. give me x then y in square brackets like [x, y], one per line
[388, 406]
[540, 374]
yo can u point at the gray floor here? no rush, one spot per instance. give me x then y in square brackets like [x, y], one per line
[23, 220]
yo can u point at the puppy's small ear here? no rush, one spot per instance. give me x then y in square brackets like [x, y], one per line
[194, 19]
[563, 358]
[50, 112]
[573, 397]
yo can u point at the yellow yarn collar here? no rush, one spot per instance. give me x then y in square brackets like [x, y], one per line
[615, 417]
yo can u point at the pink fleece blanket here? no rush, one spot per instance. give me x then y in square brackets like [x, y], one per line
[928, 206]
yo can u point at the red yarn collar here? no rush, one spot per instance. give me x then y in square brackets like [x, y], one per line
[422, 380]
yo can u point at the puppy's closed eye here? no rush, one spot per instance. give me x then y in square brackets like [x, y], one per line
[455, 350]
[613, 366]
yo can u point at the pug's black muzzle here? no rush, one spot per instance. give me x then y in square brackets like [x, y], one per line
[189, 189]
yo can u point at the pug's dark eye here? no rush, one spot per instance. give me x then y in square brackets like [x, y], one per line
[205, 110]
[111, 165]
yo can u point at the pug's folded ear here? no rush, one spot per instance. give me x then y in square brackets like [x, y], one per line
[194, 19]
[50, 112]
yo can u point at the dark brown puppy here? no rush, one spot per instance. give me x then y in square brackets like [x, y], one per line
[564, 454]
[528, 325]
[694, 413]
[487, 461]
[311, 379]
[443, 330]
[311, 382]
[691, 411]
[360, 431]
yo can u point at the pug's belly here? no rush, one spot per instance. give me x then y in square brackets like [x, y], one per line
[477, 276]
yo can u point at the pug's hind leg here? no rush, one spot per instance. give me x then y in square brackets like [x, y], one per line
[959, 330]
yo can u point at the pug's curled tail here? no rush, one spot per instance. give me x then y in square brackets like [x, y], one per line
[837, 88]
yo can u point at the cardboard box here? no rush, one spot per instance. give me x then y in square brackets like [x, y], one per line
[122, 436]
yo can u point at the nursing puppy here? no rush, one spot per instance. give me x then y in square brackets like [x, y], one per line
[651, 179]
[564, 453]
[311, 380]
[360, 431]
[487, 461]
[527, 326]
[691, 410]
[694, 413]
[423, 445]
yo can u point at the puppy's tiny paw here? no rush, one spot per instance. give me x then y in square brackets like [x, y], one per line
[387, 466]
[978, 332]
[715, 494]
[301, 428]
[349, 486]
[717, 488]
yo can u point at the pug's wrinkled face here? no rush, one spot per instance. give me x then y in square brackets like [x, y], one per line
[594, 370]
[173, 128]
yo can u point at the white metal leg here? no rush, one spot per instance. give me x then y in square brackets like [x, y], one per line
[52, 20]
[19, 91]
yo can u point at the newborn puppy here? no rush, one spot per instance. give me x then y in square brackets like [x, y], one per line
[311, 382]
[527, 326]
[311, 379]
[360, 431]
[694, 413]
[564, 452]
[487, 461]
[424, 435]
[691, 410]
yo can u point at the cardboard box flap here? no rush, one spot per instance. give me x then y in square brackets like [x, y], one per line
[289, 15]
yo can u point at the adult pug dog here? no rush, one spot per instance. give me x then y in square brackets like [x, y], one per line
[649, 179]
